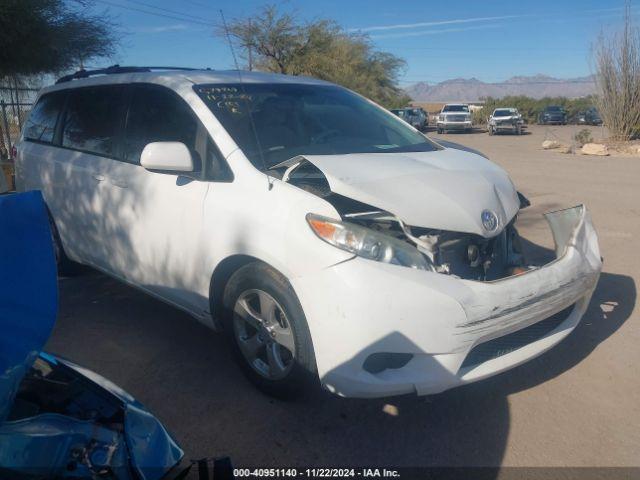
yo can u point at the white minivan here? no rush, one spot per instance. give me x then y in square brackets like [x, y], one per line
[329, 239]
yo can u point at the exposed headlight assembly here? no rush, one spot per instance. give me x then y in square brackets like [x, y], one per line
[367, 243]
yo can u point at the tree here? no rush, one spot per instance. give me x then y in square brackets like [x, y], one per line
[48, 36]
[277, 42]
[51, 36]
[617, 60]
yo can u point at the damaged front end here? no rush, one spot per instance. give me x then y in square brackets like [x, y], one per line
[488, 253]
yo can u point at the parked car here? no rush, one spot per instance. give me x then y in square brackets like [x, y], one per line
[328, 239]
[505, 120]
[552, 115]
[57, 419]
[416, 117]
[454, 116]
[590, 116]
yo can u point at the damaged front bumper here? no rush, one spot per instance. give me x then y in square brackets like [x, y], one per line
[430, 332]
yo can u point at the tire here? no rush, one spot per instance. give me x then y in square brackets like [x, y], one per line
[66, 267]
[260, 352]
[440, 130]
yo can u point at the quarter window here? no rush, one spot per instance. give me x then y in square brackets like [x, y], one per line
[92, 120]
[157, 115]
[41, 125]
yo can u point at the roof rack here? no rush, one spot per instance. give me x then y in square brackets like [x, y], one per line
[113, 69]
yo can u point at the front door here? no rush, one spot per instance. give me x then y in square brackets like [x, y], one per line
[153, 219]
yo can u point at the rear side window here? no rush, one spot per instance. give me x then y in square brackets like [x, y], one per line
[92, 120]
[157, 114]
[41, 125]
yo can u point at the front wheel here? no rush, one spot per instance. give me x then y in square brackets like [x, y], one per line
[269, 331]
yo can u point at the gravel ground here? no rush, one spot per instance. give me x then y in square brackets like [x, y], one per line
[577, 405]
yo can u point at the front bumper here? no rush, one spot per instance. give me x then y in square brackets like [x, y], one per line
[507, 126]
[368, 307]
[455, 125]
[554, 120]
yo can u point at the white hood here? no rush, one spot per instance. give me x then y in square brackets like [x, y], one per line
[445, 189]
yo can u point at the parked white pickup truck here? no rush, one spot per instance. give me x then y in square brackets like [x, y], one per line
[454, 116]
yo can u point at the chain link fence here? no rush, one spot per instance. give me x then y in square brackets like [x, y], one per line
[15, 105]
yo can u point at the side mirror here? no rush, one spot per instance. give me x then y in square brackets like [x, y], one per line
[167, 157]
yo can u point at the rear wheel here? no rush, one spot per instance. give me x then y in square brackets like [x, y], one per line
[269, 332]
[66, 267]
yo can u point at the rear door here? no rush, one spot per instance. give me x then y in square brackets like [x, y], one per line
[89, 145]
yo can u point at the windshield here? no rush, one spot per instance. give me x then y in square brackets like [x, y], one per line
[455, 108]
[503, 113]
[553, 108]
[295, 119]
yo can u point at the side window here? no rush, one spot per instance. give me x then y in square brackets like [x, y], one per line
[41, 125]
[156, 114]
[217, 168]
[92, 120]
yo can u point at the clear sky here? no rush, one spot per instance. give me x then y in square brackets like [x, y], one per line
[489, 40]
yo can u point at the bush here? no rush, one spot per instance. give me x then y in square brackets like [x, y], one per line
[617, 61]
[583, 136]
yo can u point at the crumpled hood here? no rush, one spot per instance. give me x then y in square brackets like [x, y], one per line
[445, 189]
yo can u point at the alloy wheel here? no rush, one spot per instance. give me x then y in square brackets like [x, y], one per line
[264, 334]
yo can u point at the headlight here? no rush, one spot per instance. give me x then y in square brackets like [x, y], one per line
[367, 243]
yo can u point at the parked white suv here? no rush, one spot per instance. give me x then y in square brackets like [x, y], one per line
[454, 116]
[505, 119]
[327, 237]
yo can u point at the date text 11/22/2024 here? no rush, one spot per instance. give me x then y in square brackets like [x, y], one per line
[315, 473]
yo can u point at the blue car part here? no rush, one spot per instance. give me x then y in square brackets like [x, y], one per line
[57, 419]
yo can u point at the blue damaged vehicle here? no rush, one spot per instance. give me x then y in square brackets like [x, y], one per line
[57, 419]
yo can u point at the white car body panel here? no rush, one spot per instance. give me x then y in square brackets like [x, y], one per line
[167, 234]
[446, 189]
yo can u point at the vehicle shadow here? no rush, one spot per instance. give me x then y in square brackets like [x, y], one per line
[511, 134]
[185, 375]
[474, 130]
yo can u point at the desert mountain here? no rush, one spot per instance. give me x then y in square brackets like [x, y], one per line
[472, 89]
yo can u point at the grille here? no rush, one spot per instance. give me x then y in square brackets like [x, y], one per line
[503, 345]
[456, 118]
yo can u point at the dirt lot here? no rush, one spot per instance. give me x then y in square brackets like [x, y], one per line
[577, 405]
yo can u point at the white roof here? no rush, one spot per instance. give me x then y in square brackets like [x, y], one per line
[175, 78]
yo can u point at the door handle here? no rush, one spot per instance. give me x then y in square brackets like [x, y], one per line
[98, 177]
